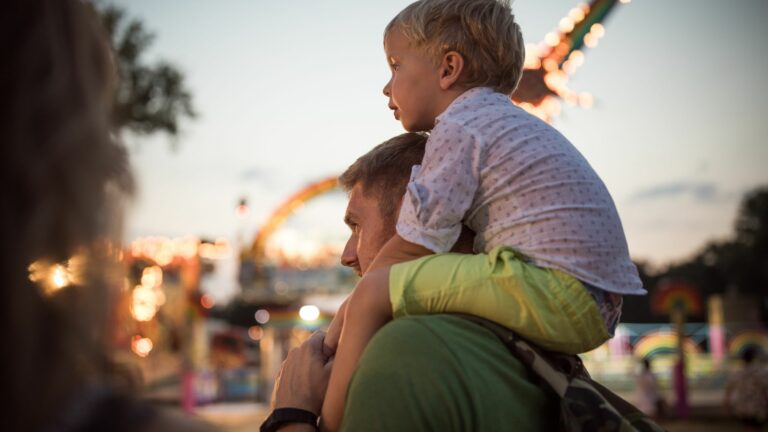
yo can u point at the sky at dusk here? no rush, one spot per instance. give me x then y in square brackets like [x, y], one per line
[290, 92]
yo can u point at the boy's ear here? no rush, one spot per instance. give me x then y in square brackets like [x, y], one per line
[450, 69]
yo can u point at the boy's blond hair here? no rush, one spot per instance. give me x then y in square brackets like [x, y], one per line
[484, 32]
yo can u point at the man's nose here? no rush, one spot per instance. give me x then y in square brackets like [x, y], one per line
[349, 256]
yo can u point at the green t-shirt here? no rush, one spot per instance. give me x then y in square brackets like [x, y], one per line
[444, 373]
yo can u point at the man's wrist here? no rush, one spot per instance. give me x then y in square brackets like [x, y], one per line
[281, 417]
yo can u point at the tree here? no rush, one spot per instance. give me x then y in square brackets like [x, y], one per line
[149, 98]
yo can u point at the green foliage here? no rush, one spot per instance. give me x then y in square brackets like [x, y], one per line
[149, 98]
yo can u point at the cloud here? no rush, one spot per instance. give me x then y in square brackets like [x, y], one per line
[700, 191]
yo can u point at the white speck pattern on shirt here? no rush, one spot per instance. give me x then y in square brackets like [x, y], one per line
[517, 182]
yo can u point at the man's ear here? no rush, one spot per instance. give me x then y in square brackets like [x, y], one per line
[451, 68]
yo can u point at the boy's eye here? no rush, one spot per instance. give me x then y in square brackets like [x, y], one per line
[394, 66]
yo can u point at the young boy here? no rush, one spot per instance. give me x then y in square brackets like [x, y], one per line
[554, 259]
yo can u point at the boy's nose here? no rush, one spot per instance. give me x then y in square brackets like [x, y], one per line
[387, 88]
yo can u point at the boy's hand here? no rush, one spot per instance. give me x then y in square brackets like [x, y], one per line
[333, 334]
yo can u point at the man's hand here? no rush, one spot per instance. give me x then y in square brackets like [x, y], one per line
[303, 378]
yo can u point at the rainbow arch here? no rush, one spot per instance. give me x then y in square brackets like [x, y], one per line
[661, 342]
[285, 209]
[677, 294]
[748, 338]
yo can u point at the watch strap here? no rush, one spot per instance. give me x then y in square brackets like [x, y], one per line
[282, 416]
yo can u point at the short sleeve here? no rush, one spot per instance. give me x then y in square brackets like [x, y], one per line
[441, 191]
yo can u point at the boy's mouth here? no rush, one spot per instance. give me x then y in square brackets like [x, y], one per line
[395, 111]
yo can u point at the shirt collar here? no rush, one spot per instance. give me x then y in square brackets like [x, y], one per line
[464, 99]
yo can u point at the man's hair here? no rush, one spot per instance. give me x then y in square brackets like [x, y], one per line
[484, 32]
[384, 171]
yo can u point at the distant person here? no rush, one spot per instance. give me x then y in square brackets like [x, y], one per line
[64, 179]
[547, 229]
[746, 392]
[647, 397]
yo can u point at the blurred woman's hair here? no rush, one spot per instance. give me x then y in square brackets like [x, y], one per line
[64, 177]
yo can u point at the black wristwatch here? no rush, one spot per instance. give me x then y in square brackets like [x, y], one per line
[282, 416]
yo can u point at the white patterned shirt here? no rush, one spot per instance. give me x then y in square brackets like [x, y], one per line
[516, 182]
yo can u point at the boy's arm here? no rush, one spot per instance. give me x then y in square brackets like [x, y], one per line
[398, 250]
[367, 310]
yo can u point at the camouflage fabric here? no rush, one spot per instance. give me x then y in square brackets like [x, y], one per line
[585, 405]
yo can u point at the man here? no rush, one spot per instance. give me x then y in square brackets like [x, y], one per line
[435, 372]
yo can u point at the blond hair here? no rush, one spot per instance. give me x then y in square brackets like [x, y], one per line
[484, 32]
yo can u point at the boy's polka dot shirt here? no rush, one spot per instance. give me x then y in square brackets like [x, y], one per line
[517, 182]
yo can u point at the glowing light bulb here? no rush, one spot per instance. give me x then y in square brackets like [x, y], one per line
[255, 333]
[207, 301]
[59, 277]
[566, 25]
[552, 39]
[262, 316]
[576, 15]
[598, 30]
[590, 41]
[309, 313]
[141, 346]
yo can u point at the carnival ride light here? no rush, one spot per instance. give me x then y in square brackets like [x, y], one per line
[141, 346]
[552, 39]
[152, 276]
[309, 313]
[207, 301]
[559, 55]
[144, 303]
[261, 316]
[59, 276]
[566, 24]
[576, 14]
[53, 277]
[598, 30]
[255, 333]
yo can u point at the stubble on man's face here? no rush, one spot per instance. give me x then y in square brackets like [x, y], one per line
[370, 230]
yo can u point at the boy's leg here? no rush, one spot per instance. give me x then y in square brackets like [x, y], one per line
[547, 307]
[367, 310]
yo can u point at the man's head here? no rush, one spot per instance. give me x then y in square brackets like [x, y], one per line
[444, 46]
[376, 184]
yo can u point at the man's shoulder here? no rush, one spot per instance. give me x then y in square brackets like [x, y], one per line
[441, 372]
[445, 333]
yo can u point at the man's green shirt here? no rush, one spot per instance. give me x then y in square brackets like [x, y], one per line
[444, 373]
